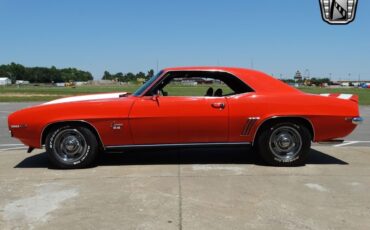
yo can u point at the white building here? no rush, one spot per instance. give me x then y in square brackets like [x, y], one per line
[79, 83]
[22, 82]
[60, 84]
[5, 81]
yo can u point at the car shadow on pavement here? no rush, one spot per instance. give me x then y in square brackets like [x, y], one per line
[180, 156]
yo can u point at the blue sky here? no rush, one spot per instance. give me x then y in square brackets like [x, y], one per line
[121, 36]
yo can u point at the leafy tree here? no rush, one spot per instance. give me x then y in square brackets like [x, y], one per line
[150, 74]
[107, 76]
[42, 74]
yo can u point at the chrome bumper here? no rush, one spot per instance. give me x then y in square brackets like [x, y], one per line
[357, 120]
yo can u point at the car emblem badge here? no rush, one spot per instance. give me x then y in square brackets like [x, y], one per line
[338, 12]
[116, 126]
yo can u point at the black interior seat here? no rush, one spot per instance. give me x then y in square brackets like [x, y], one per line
[209, 92]
[218, 93]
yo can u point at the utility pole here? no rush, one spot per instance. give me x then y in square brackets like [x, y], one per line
[307, 73]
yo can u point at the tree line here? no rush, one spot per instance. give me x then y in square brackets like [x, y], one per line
[15, 72]
[43, 74]
[128, 77]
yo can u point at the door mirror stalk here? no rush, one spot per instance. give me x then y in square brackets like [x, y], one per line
[156, 96]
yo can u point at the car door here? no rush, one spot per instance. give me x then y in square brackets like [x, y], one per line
[154, 120]
[179, 119]
[183, 110]
[203, 120]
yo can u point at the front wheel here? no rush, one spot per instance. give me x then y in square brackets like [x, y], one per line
[285, 144]
[71, 147]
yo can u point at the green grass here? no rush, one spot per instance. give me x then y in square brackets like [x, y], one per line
[46, 93]
[364, 94]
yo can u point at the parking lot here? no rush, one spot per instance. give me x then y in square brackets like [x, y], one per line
[187, 189]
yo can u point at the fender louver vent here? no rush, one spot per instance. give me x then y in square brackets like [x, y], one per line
[249, 125]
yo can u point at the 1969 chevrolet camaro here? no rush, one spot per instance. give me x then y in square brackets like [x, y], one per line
[191, 106]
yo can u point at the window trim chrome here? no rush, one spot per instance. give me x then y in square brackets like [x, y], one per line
[195, 70]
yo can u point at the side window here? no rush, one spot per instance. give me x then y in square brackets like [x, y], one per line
[199, 84]
[196, 86]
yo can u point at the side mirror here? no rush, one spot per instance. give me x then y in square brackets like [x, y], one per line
[156, 95]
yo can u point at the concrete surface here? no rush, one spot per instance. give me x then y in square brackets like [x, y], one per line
[5, 109]
[187, 189]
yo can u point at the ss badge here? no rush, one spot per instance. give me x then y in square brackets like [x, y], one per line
[338, 12]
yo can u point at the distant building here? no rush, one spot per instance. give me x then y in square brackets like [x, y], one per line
[298, 76]
[5, 81]
[79, 83]
[102, 82]
[355, 83]
[197, 80]
[60, 84]
[21, 82]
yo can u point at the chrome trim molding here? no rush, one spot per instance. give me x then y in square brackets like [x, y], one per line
[177, 145]
[82, 121]
[251, 121]
[357, 120]
[274, 117]
[331, 142]
[20, 126]
[160, 78]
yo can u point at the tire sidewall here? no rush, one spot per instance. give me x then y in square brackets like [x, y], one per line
[269, 157]
[87, 157]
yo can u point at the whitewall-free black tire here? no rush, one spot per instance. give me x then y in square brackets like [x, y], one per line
[71, 147]
[284, 144]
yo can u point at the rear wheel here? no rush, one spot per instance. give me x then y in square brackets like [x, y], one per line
[71, 147]
[284, 144]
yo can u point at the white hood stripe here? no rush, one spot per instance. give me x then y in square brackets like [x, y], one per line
[86, 98]
[345, 96]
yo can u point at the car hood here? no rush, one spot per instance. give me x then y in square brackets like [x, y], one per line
[91, 97]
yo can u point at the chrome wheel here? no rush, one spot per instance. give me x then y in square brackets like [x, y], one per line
[285, 143]
[70, 146]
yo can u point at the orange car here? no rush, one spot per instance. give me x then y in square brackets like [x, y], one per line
[191, 106]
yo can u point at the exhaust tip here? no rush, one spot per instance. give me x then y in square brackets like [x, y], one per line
[357, 120]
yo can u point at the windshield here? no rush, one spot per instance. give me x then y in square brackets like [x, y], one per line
[142, 88]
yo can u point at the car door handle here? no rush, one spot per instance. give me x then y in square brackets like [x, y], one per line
[218, 105]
